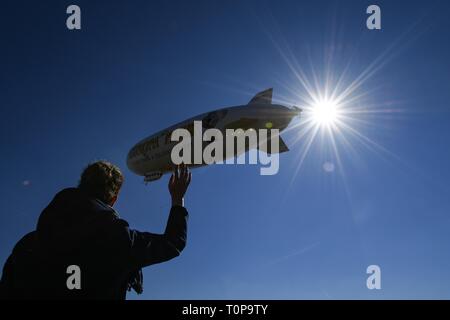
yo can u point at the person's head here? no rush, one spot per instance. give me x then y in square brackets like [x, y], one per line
[101, 180]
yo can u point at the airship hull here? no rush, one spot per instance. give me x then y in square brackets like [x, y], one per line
[151, 157]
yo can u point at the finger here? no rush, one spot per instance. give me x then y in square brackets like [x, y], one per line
[189, 178]
[183, 172]
[177, 172]
[172, 177]
[188, 172]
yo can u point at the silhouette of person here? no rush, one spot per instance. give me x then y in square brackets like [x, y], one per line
[80, 228]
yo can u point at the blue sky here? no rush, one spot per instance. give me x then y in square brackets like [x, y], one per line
[71, 97]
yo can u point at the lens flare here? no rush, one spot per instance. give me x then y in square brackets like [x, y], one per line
[325, 112]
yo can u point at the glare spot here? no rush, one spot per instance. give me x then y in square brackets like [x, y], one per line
[325, 112]
[26, 183]
[328, 167]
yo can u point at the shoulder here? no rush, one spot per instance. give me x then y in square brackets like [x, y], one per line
[26, 243]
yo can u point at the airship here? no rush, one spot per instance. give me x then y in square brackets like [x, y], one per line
[151, 157]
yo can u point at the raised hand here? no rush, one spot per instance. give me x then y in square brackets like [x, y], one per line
[178, 184]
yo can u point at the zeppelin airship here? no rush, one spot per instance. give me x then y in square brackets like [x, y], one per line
[151, 157]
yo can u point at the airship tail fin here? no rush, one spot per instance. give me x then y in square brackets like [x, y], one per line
[263, 97]
[282, 147]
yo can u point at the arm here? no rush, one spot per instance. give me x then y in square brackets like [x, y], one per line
[149, 248]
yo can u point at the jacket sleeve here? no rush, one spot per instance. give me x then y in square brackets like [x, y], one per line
[147, 248]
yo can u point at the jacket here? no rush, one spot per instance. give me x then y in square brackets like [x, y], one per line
[78, 230]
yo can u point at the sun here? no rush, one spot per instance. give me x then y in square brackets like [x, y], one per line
[325, 112]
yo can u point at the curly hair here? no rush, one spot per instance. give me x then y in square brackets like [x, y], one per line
[101, 180]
